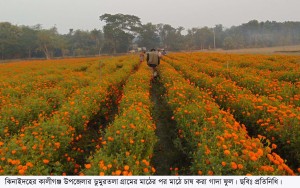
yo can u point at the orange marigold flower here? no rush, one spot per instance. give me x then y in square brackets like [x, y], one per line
[21, 172]
[118, 172]
[46, 161]
[253, 158]
[240, 166]
[87, 166]
[24, 148]
[126, 167]
[146, 170]
[210, 172]
[227, 152]
[233, 165]
[131, 141]
[20, 167]
[260, 152]
[223, 163]
[145, 162]
[24, 167]
[271, 169]
[207, 152]
[125, 173]
[153, 170]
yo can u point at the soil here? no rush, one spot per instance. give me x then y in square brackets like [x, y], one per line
[166, 155]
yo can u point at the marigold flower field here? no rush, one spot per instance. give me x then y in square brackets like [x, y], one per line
[232, 114]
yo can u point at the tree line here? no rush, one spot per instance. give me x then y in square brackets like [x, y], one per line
[122, 33]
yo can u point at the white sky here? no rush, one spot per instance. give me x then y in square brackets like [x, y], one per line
[84, 14]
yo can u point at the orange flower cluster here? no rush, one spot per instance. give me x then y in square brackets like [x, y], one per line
[276, 89]
[128, 143]
[46, 109]
[30, 90]
[261, 114]
[46, 141]
[215, 141]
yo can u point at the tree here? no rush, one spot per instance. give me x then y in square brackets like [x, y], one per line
[82, 43]
[219, 35]
[170, 37]
[28, 39]
[97, 36]
[251, 32]
[119, 30]
[229, 43]
[61, 46]
[148, 36]
[200, 38]
[47, 40]
[9, 37]
[235, 37]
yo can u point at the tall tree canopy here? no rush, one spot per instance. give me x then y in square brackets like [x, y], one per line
[119, 31]
[148, 36]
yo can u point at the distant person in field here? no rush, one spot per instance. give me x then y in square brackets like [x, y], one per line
[153, 61]
[142, 56]
[159, 54]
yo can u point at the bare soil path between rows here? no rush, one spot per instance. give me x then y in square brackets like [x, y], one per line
[166, 155]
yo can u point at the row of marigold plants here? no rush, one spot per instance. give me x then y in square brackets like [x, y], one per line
[20, 79]
[261, 115]
[214, 141]
[279, 67]
[287, 92]
[127, 143]
[39, 90]
[43, 147]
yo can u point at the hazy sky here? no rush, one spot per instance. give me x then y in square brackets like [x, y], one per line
[84, 14]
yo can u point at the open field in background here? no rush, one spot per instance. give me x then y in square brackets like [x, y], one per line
[206, 114]
[287, 50]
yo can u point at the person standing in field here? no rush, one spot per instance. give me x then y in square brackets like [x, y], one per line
[142, 56]
[153, 61]
[159, 54]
